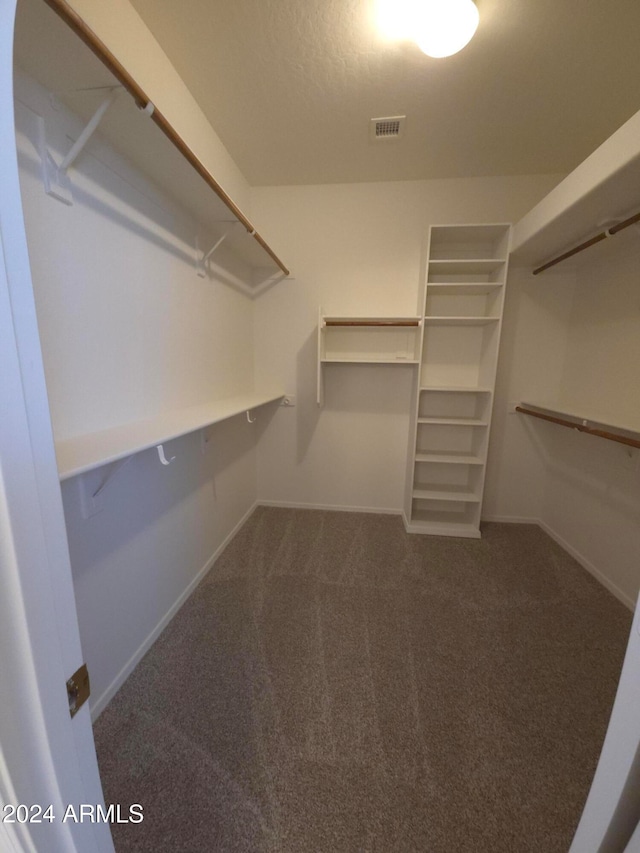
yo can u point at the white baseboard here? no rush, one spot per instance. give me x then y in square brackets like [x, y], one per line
[589, 566]
[330, 507]
[586, 564]
[510, 519]
[103, 700]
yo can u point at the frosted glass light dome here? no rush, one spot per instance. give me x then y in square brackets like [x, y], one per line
[443, 27]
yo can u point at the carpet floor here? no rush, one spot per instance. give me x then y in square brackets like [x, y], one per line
[335, 685]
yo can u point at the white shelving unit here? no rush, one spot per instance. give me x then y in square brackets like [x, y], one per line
[367, 340]
[85, 452]
[462, 315]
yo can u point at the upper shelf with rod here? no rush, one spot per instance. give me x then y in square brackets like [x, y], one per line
[84, 68]
[597, 199]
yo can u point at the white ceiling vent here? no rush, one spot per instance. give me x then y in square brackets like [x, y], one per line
[391, 127]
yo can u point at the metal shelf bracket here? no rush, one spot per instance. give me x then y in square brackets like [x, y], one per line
[202, 261]
[55, 176]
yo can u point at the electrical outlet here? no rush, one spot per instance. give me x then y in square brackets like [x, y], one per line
[288, 401]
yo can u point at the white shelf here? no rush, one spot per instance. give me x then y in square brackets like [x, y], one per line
[86, 452]
[456, 389]
[450, 458]
[448, 494]
[369, 361]
[474, 422]
[384, 322]
[464, 288]
[604, 187]
[447, 525]
[467, 266]
[460, 321]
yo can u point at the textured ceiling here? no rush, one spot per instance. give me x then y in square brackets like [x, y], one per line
[290, 86]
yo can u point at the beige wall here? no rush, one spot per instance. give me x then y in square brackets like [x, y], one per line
[358, 249]
[591, 498]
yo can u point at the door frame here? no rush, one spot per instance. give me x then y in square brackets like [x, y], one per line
[46, 758]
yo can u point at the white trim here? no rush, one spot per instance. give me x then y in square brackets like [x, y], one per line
[509, 519]
[376, 510]
[613, 588]
[107, 695]
[586, 564]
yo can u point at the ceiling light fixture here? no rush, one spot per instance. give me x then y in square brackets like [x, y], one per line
[439, 27]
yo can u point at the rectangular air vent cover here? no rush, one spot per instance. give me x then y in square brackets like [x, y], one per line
[391, 127]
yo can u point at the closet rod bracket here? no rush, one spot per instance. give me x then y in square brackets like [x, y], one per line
[91, 497]
[201, 261]
[56, 176]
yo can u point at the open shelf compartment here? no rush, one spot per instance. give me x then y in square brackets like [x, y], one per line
[460, 355]
[469, 242]
[386, 340]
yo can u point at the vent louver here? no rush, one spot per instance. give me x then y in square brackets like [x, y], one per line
[391, 127]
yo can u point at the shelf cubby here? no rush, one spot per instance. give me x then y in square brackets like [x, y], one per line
[465, 242]
[367, 340]
[454, 402]
[384, 343]
[458, 301]
[460, 352]
[447, 481]
[445, 518]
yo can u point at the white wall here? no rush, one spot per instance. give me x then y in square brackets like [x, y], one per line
[592, 491]
[533, 351]
[128, 330]
[572, 339]
[356, 248]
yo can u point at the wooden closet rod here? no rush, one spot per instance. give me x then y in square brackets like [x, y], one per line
[610, 436]
[609, 232]
[98, 47]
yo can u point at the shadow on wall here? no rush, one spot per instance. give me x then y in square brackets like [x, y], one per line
[590, 464]
[308, 411]
[145, 491]
[148, 215]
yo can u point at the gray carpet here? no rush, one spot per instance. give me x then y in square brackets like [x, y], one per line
[335, 685]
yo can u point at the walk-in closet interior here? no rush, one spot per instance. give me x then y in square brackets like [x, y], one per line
[349, 467]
